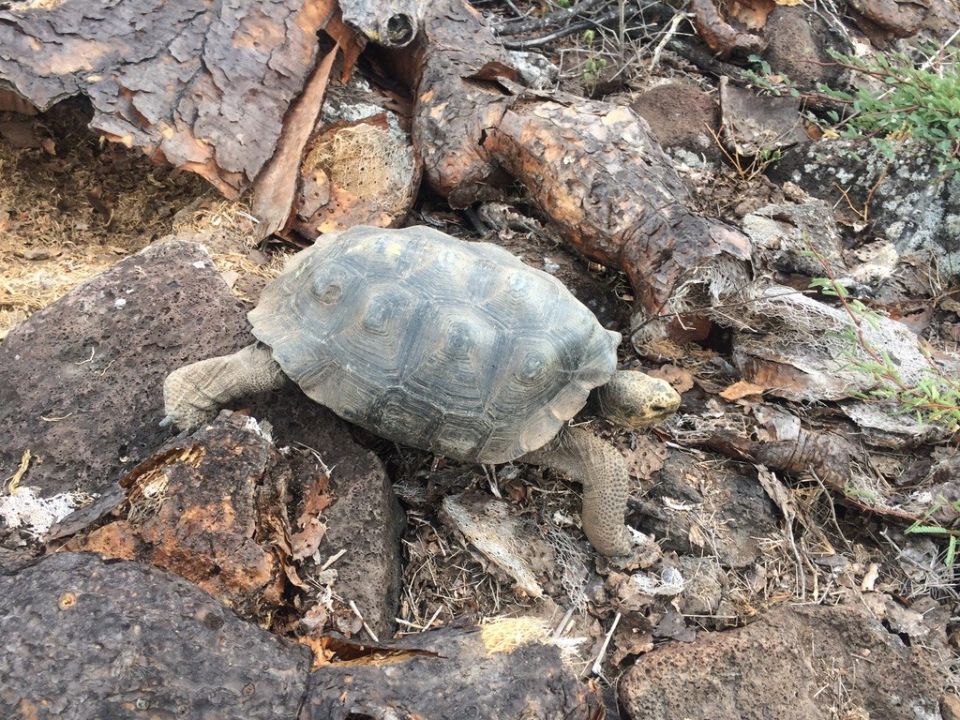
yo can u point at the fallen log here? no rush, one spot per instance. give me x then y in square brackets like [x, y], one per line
[592, 168]
[235, 95]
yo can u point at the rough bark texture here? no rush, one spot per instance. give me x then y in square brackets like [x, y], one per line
[85, 639]
[360, 169]
[494, 672]
[210, 508]
[204, 87]
[721, 37]
[593, 168]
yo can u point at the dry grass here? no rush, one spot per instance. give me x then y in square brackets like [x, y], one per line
[72, 207]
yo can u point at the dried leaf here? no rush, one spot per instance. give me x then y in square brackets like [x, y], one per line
[681, 379]
[753, 13]
[306, 542]
[741, 389]
[646, 458]
[695, 536]
[778, 492]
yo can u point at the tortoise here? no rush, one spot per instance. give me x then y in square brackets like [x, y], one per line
[445, 345]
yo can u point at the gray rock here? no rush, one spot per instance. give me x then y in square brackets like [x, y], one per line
[80, 381]
[753, 125]
[85, 639]
[912, 204]
[788, 665]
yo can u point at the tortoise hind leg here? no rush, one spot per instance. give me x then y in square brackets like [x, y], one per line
[193, 394]
[602, 470]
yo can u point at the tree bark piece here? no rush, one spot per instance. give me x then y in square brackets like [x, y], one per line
[721, 37]
[210, 508]
[205, 88]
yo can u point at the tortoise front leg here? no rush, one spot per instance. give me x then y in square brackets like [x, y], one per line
[602, 470]
[193, 394]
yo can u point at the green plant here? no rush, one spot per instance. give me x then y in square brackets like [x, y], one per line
[935, 398]
[919, 103]
[923, 527]
[765, 80]
[592, 70]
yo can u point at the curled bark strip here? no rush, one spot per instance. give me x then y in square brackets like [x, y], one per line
[825, 454]
[276, 188]
[720, 36]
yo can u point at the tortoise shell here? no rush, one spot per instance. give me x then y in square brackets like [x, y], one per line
[451, 346]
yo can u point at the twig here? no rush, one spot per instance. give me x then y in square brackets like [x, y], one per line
[521, 26]
[370, 632]
[562, 32]
[597, 668]
[431, 620]
[332, 559]
[667, 37]
[56, 418]
[21, 471]
[563, 624]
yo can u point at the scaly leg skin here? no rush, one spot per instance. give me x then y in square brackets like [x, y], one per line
[193, 394]
[583, 456]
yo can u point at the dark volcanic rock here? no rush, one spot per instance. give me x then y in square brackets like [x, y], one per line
[153, 312]
[797, 42]
[80, 380]
[490, 673]
[680, 114]
[88, 639]
[696, 508]
[788, 665]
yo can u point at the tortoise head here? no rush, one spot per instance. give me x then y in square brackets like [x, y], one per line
[635, 400]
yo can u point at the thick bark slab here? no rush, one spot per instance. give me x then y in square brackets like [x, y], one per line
[211, 508]
[203, 87]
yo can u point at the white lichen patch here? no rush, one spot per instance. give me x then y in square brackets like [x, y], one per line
[263, 430]
[25, 508]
